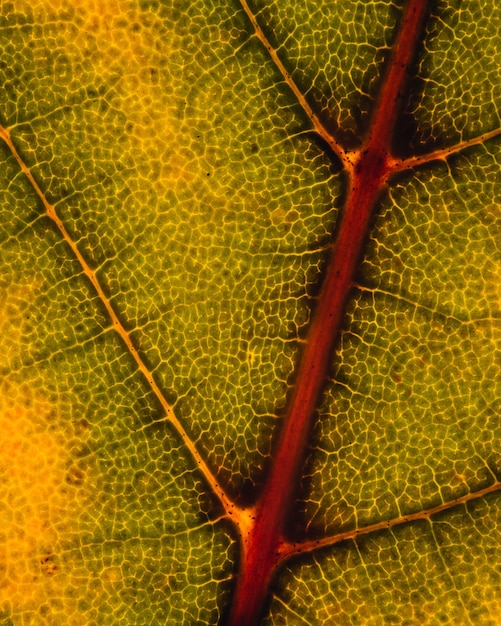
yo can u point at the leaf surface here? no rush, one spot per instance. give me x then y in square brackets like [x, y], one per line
[172, 185]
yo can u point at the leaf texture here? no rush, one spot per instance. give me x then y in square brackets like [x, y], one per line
[168, 205]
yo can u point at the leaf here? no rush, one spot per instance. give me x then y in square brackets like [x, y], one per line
[175, 186]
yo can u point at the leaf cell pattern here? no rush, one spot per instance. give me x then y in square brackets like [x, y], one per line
[172, 181]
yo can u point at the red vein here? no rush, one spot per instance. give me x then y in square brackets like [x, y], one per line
[119, 328]
[261, 546]
[289, 549]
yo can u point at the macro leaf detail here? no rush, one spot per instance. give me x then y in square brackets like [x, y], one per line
[190, 196]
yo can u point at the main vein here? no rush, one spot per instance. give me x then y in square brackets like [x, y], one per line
[367, 177]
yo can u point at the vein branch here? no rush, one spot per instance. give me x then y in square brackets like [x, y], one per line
[317, 124]
[120, 329]
[291, 548]
[399, 165]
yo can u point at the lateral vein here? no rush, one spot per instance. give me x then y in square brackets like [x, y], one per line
[170, 416]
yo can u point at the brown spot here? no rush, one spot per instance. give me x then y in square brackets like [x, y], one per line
[48, 566]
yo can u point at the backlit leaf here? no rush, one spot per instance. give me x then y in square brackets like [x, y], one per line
[172, 181]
